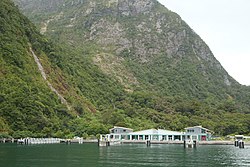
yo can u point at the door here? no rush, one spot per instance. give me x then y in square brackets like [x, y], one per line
[203, 138]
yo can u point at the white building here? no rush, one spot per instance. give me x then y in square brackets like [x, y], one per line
[156, 134]
[198, 133]
[121, 133]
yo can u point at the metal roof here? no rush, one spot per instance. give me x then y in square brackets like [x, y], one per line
[119, 127]
[199, 127]
[156, 132]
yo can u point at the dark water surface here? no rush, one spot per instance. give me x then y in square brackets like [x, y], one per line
[90, 155]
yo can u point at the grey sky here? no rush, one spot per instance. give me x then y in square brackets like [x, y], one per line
[225, 26]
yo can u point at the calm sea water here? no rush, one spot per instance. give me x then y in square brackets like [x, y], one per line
[90, 155]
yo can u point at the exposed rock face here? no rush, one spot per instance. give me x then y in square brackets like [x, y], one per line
[113, 66]
[137, 30]
[146, 32]
[134, 7]
[41, 5]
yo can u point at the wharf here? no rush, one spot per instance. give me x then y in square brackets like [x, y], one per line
[90, 141]
[38, 141]
[220, 142]
[152, 142]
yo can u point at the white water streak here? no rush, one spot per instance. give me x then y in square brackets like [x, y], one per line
[41, 69]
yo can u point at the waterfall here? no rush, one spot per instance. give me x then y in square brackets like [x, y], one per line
[41, 69]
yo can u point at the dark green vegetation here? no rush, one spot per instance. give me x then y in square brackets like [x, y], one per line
[125, 63]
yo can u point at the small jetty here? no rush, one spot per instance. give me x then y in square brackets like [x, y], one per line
[190, 143]
[7, 140]
[104, 142]
[75, 140]
[239, 141]
[27, 141]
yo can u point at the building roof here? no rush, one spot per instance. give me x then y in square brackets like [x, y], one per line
[162, 131]
[119, 127]
[199, 127]
[156, 132]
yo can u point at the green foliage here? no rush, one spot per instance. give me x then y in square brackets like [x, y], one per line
[22, 134]
[27, 106]
[4, 135]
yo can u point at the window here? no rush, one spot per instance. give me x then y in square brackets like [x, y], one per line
[155, 137]
[194, 137]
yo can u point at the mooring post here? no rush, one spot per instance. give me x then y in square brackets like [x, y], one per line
[184, 143]
[148, 142]
[241, 144]
[236, 143]
[195, 143]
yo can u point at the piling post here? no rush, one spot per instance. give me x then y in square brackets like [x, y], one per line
[148, 143]
[195, 143]
[241, 144]
[184, 143]
[236, 143]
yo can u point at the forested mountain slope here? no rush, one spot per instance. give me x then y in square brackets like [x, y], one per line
[28, 105]
[140, 43]
[26, 102]
[129, 63]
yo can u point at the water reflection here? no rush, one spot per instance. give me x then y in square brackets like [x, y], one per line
[174, 155]
[128, 155]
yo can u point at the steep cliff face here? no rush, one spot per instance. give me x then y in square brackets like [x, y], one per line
[140, 33]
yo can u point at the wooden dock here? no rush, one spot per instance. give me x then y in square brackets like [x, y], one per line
[38, 141]
[151, 141]
[220, 142]
[7, 140]
[105, 143]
